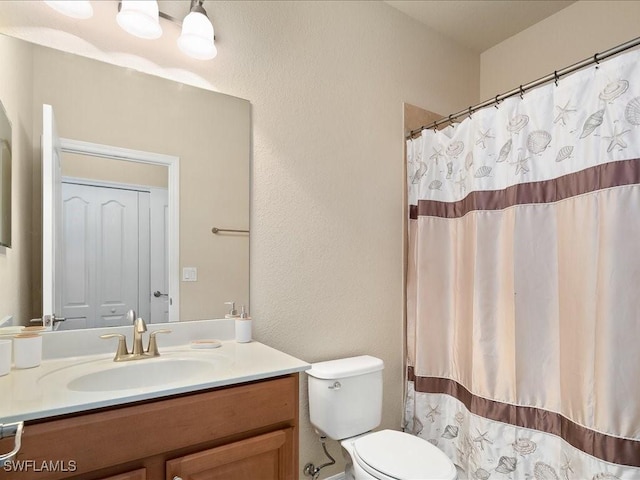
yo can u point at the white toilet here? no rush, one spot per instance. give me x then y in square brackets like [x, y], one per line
[345, 402]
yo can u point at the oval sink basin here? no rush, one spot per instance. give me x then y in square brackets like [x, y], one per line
[140, 374]
[108, 376]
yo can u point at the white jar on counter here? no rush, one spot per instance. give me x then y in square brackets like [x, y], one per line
[27, 350]
[5, 356]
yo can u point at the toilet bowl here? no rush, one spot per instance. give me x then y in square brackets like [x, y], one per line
[345, 404]
[393, 455]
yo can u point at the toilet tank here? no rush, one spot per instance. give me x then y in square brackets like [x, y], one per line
[345, 396]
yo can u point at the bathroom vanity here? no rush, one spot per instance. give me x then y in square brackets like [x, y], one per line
[244, 431]
[231, 414]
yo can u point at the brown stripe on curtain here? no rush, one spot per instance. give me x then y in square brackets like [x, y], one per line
[606, 447]
[613, 174]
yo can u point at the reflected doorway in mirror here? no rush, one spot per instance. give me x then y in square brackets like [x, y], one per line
[52, 201]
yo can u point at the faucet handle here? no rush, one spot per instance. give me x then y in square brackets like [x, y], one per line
[153, 343]
[122, 351]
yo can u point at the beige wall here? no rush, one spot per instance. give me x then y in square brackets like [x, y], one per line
[327, 82]
[573, 34]
[15, 262]
[97, 102]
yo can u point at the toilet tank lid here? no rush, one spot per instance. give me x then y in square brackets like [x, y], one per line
[345, 367]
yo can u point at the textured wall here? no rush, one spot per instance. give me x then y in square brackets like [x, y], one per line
[327, 82]
[573, 34]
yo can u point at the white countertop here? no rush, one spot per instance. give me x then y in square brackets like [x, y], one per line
[30, 394]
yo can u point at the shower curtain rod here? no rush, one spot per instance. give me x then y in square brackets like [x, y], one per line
[555, 76]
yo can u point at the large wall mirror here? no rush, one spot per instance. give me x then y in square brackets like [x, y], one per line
[114, 209]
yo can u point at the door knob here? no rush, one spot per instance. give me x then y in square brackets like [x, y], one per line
[157, 294]
[52, 321]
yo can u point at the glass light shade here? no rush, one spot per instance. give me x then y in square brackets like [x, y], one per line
[140, 18]
[196, 39]
[81, 9]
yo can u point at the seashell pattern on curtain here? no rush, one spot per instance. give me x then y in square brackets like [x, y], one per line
[523, 278]
[590, 118]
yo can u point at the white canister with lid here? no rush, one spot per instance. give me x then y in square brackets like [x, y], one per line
[5, 356]
[27, 350]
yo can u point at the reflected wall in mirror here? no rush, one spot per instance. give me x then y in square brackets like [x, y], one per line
[5, 178]
[209, 132]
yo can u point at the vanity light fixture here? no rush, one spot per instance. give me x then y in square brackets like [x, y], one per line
[197, 38]
[80, 9]
[139, 18]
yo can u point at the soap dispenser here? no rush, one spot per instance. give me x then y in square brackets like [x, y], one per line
[243, 327]
[233, 313]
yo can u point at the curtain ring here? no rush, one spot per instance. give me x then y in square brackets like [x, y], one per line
[469, 111]
[450, 119]
[555, 76]
[521, 93]
[434, 127]
[595, 59]
[497, 101]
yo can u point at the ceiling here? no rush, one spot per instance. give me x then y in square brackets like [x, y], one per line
[479, 24]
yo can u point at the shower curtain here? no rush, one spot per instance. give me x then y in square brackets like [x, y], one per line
[523, 282]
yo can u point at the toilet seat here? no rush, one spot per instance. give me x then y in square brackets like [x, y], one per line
[393, 455]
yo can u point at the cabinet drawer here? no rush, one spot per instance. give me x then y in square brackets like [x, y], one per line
[140, 474]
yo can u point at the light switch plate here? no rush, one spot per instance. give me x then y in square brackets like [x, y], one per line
[189, 274]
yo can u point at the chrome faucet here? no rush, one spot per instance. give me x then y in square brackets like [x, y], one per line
[138, 352]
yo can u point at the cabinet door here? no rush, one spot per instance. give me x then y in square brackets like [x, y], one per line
[140, 474]
[267, 457]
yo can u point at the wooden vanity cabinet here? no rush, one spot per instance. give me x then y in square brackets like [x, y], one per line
[248, 431]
